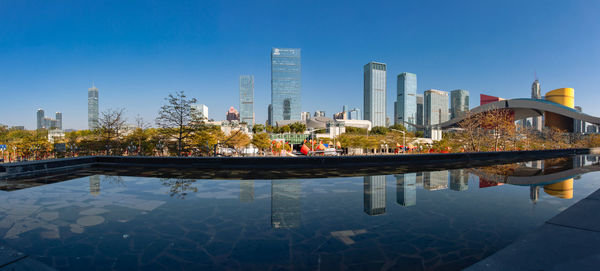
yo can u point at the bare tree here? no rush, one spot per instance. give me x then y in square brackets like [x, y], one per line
[178, 119]
[110, 125]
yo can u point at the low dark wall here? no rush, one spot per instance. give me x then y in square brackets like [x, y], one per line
[343, 164]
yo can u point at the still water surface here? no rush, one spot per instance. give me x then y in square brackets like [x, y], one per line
[446, 219]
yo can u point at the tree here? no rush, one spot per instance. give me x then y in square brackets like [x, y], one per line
[261, 141]
[206, 137]
[398, 127]
[257, 128]
[379, 130]
[269, 129]
[298, 127]
[238, 140]
[178, 119]
[110, 125]
[285, 129]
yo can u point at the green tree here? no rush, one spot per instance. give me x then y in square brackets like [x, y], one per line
[178, 119]
[257, 128]
[261, 141]
[379, 130]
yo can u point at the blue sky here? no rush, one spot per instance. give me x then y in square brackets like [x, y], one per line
[137, 52]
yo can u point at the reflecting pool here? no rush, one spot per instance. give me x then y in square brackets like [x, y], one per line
[444, 219]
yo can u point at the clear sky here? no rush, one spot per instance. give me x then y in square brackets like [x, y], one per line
[137, 52]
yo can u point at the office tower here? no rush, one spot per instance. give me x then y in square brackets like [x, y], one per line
[459, 180]
[459, 100]
[40, 119]
[304, 116]
[93, 113]
[270, 115]
[420, 108]
[285, 203]
[200, 111]
[374, 195]
[319, 113]
[375, 86]
[354, 114]
[536, 93]
[406, 189]
[59, 120]
[286, 84]
[247, 99]
[246, 190]
[435, 107]
[232, 114]
[435, 180]
[579, 125]
[405, 110]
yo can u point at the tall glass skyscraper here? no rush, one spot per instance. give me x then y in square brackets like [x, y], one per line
[93, 108]
[406, 101]
[247, 99]
[459, 100]
[286, 84]
[420, 108]
[40, 119]
[375, 85]
[436, 107]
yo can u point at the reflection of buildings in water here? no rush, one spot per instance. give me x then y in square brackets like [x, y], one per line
[563, 190]
[534, 193]
[420, 179]
[374, 195]
[95, 185]
[285, 203]
[406, 189]
[459, 180]
[537, 164]
[435, 180]
[246, 190]
[578, 161]
[592, 158]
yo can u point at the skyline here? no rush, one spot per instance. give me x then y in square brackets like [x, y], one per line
[50, 57]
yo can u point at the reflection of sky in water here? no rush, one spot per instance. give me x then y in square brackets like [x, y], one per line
[437, 220]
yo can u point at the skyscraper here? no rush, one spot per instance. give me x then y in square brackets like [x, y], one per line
[286, 84]
[435, 107]
[354, 114]
[201, 111]
[40, 119]
[93, 113]
[459, 180]
[375, 86]
[420, 108]
[59, 120]
[579, 125]
[459, 100]
[232, 114]
[435, 180]
[247, 99]
[374, 195]
[406, 101]
[536, 93]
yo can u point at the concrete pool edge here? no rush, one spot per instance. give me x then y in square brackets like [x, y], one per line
[9, 171]
[567, 241]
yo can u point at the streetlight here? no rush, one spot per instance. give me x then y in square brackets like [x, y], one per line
[403, 140]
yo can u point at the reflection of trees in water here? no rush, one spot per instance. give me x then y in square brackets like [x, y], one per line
[502, 170]
[114, 180]
[179, 187]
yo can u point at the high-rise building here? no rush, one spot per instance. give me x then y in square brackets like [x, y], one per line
[435, 107]
[374, 195]
[247, 99]
[420, 109]
[304, 116]
[375, 85]
[536, 93]
[270, 115]
[201, 111]
[286, 84]
[405, 110]
[319, 113]
[459, 180]
[232, 114]
[435, 180]
[285, 203]
[459, 101]
[59, 120]
[40, 118]
[406, 189]
[354, 114]
[93, 113]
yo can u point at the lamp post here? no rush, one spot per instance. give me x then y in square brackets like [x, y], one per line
[403, 140]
